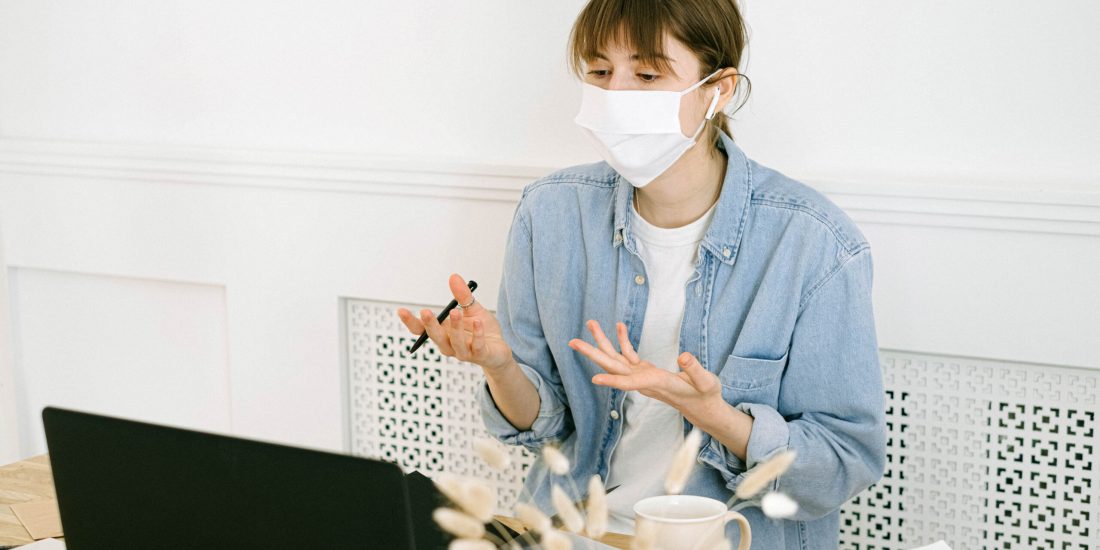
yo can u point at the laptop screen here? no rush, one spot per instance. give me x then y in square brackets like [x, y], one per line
[122, 483]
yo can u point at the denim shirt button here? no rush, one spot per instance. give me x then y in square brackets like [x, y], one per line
[614, 415]
[639, 279]
[726, 252]
[618, 237]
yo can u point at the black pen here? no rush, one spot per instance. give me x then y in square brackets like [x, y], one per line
[442, 316]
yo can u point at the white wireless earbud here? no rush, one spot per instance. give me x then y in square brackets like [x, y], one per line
[714, 102]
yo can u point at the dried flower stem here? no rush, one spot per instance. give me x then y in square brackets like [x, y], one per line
[458, 523]
[504, 536]
[764, 474]
[573, 520]
[596, 524]
[492, 452]
[555, 460]
[558, 465]
[683, 462]
[526, 534]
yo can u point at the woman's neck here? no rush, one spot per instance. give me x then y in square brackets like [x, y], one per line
[684, 192]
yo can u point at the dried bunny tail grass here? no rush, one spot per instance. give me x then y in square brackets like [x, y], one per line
[764, 474]
[451, 487]
[778, 506]
[555, 460]
[533, 518]
[596, 526]
[683, 462]
[471, 544]
[645, 536]
[458, 524]
[555, 540]
[492, 452]
[568, 513]
[471, 495]
[480, 500]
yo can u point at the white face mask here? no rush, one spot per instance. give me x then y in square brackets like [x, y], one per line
[638, 131]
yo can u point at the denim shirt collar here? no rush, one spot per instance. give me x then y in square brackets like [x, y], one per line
[724, 234]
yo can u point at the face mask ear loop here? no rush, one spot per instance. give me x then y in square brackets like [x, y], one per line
[710, 113]
[700, 83]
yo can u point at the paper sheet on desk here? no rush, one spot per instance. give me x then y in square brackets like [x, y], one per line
[39, 517]
[45, 544]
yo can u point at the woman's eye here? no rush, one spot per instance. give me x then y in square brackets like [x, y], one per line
[644, 77]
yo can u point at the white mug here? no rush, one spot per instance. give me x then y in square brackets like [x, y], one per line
[687, 522]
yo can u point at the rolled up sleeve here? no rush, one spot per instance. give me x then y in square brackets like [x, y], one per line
[549, 425]
[518, 314]
[831, 403]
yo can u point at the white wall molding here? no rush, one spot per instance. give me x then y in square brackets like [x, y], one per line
[1007, 206]
[304, 170]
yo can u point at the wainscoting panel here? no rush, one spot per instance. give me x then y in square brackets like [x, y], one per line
[144, 349]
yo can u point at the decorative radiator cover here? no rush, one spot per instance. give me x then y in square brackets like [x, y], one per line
[982, 454]
[419, 411]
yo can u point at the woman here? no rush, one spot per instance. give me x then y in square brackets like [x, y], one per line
[740, 298]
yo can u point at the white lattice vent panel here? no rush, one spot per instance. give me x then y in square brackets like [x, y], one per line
[419, 411]
[984, 455]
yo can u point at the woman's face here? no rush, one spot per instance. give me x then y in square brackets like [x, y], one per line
[617, 68]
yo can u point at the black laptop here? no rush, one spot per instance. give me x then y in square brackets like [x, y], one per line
[127, 484]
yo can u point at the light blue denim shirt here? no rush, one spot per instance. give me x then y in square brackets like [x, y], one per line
[779, 308]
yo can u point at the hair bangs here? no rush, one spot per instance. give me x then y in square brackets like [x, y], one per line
[636, 25]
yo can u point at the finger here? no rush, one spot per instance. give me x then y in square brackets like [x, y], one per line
[463, 294]
[618, 381]
[477, 345]
[609, 364]
[624, 344]
[601, 339]
[697, 375]
[460, 338]
[410, 321]
[436, 332]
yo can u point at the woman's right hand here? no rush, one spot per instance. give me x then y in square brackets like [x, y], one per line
[472, 335]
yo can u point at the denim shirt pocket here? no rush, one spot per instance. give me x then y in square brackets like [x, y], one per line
[751, 380]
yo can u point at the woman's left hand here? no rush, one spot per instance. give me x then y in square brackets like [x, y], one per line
[693, 391]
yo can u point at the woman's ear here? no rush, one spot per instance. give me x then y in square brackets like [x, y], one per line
[727, 83]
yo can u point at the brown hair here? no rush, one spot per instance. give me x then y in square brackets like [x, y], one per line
[713, 29]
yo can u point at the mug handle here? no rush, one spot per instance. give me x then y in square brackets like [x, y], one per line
[743, 525]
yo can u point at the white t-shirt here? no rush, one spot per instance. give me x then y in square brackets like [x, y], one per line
[653, 430]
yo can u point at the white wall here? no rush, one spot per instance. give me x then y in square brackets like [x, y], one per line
[968, 93]
[9, 425]
[254, 163]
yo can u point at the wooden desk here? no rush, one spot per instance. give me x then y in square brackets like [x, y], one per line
[31, 479]
[611, 539]
[22, 481]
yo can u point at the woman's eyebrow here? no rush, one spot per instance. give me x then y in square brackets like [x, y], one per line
[636, 57]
